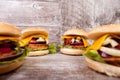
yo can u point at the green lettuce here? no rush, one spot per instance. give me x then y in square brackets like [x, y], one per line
[94, 55]
[60, 45]
[52, 48]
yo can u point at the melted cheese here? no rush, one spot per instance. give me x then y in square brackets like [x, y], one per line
[67, 36]
[25, 41]
[10, 38]
[85, 42]
[98, 43]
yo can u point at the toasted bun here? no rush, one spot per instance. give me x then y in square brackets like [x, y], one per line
[96, 32]
[76, 32]
[38, 53]
[108, 69]
[8, 29]
[71, 51]
[10, 67]
[33, 30]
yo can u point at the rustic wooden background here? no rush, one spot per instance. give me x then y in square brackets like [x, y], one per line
[57, 16]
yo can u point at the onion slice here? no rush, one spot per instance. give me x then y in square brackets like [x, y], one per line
[111, 51]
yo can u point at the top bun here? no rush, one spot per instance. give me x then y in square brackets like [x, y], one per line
[9, 30]
[34, 30]
[97, 32]
[76, 32]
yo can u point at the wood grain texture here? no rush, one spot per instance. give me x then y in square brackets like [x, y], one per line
[55, 67]
[57, 16]
[33, 13]
[86, 14]
[30, 13]
[107, 12]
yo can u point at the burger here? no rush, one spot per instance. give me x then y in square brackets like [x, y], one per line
[104, 54]
[35, 39]
[11, 54]
[74, 42]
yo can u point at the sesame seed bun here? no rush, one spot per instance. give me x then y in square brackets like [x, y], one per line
[108, 69]
[74, 52]
[38, 53]
[33, 30]
[76, 32]
[5, 68]
[97, 32]
[9, 30]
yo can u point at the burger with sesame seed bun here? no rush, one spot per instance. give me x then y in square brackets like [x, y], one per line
[35, 39]
[74, 42]
[104, 54]
[11, 54]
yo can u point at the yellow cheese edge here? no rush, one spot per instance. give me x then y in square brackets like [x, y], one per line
[67, 36]
[83, 39]
[85, 42]
[25, 41]
[98, 43]
[9, 38]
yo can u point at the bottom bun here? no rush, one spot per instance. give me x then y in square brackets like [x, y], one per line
[5, 68]
[108, 69]
[73, 52]
[38, 53]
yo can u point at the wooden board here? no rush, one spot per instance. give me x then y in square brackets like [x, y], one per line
[57, 16]
[86, 14]
[55, 67]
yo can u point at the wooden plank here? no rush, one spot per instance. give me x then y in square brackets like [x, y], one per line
[33, 13]
[55, 67]
[57, 16]
[107, 12]
[86, 14]
[30, 13]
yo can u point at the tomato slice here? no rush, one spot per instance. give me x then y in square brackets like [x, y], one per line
[32, 41]
[5, 50]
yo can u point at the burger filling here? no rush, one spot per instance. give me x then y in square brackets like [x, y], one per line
[75, 42]
[37, 43]
[110, 50]
[108, 47]
[7, 48]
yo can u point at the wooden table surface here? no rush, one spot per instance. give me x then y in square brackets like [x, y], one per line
[55, 67]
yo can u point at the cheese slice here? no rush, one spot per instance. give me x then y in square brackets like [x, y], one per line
[67, 36]
[83, 39]
[25, 41]
[98, 43]
[10, 38]
[85, 42]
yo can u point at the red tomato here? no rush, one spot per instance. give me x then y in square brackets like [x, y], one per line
[117, 47]
[33, 41]
[5, 50]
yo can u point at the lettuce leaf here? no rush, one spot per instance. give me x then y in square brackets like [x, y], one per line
[60, 45]
[52, 48]
[94, 55]
[19, 58]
